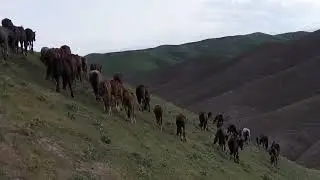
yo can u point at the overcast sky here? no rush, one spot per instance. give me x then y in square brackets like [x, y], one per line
[113, 25]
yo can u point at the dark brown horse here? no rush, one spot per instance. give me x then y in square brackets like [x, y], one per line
[31, 37]
[21, 38]
[143, 97]
[263, 140]
[181, 128]
[203, 121]
[221, 138]
[49, 57]
[44, 54]
[117, 93]
[158, 112]
[105, 94]
[274, 153]
[11, 32]
[128, 104]
[64, 67]
[95, 78]
[78, 62]
[84, 66]
[4, 46]
[235, 142]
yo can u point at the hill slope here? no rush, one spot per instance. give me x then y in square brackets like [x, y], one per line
[138, 62]
[45, 135]
[256, 85]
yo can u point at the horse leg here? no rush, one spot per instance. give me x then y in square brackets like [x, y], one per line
[57, 83]
[178, 131]
[17, 47]
[127, 113]
[2, 53]
[184, 135]
[133, 115]
[64, 82]
[25, 48]
[144, 104]
[109, 109]
[48, 71]
[28, 45]
[161, 123]
[6, 51]
[130, 114]
[117, 105]
[149, 106]
[106, 106]
[70, 88]
[139, 102]
[109, 105]
[21, 46]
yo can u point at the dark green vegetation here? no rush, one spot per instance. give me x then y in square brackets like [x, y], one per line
[45, 135]
[139, 61]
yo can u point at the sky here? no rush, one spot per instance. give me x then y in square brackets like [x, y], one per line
[115, 25]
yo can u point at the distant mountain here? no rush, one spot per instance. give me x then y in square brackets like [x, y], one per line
[291, 36]
[138, 62]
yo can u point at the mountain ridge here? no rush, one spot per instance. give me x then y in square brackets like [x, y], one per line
[146, 60]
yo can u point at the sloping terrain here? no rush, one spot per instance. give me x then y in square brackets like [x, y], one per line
[271, 92]
[45, 135]
[265, 60]
[298, 131]
[254, 87]
[139, 62]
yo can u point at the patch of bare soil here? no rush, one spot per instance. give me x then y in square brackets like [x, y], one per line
[53, 147]
[99, 170]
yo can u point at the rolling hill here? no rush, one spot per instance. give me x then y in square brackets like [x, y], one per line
[138, 62]
[258, 89]
[251, 78]
[46, 135]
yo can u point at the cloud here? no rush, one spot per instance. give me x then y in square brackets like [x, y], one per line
[105, 25]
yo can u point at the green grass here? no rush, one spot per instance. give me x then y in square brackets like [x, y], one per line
[45, 135]
[142, 61]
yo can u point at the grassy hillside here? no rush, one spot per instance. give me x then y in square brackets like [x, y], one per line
[45, 135]
[258, 82]
[298, 131]
[140, 61]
